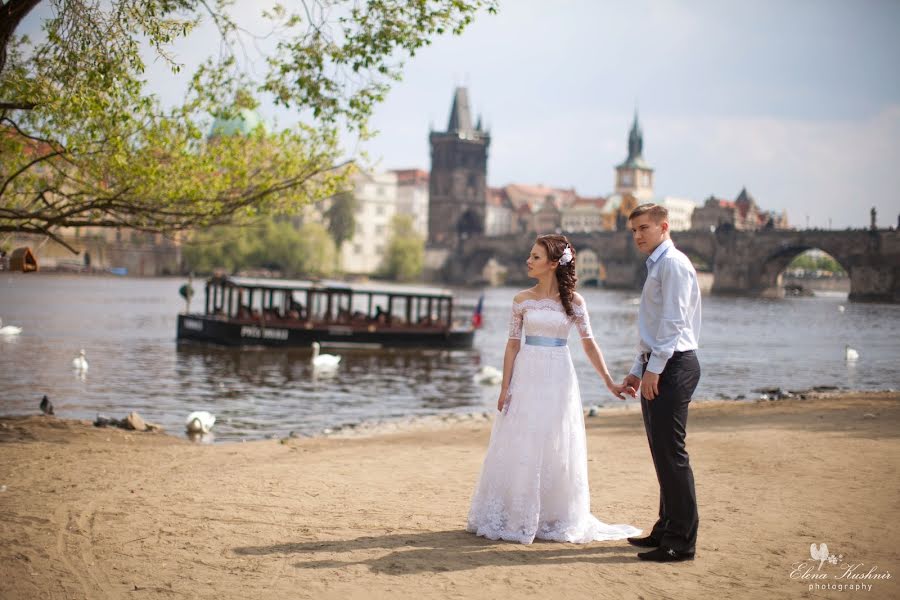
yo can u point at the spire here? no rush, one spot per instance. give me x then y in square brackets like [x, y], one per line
[460, 117]
[635, 146]
[635, 140]
[744, 197]
[478, 126]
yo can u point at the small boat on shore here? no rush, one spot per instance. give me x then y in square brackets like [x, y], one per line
[280, 312]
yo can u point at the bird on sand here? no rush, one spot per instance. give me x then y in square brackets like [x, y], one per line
[199, 421]
[46, 405]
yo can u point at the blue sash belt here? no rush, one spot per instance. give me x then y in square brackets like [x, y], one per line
[543, 340]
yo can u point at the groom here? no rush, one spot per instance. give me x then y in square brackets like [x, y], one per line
[667, 371]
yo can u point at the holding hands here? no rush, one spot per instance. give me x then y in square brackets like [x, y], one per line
[631, 385]
[649, 385]
[619, 390]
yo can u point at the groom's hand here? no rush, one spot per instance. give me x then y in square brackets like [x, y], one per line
[631, 385]
[650, 385]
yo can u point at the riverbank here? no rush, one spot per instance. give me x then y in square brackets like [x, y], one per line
[92, 513]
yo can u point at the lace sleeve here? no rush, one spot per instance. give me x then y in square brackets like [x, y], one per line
[515, 320]
[582, 321]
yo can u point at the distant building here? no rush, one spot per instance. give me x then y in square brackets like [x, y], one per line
[584, 215]
[681, 211]
[714, 213]
[458, 177]
[376, 205]
[635, 176]
[614, 214]
[379, 196]
[539, 208]
[633, 183]
[412, 197]
[547, 218]
[634, 186]
[742, 214]
[500, 215]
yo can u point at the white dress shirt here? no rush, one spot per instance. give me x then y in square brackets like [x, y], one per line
[669, 316]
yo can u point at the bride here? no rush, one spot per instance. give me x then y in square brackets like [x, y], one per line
[534, 483]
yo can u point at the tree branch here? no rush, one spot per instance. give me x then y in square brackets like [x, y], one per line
[25, 168]
[11, 14]
[17, 105]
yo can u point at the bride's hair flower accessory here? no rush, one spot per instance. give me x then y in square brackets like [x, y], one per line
[566, 257]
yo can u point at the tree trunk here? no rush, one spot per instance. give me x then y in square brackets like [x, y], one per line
[11, 14]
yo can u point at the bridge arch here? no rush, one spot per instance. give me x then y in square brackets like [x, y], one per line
[703, 261]
[477, 262]
[777, 260]
[589, 268]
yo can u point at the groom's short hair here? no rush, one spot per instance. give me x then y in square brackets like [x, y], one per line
[657, 212]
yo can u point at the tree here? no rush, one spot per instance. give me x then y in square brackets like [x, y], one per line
[272, 244]
[808, 261]
[82, 143]
[341, 217]
[405, 254]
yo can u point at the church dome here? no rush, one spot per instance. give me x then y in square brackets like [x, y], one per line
[242, 124]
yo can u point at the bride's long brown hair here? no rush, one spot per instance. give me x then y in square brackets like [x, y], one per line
[565, 274]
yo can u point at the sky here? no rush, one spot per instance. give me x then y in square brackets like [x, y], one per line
[799, 101]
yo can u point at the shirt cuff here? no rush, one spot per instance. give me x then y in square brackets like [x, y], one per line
[656, 364]
[637, 369]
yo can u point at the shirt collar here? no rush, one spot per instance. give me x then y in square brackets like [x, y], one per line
[660, 250]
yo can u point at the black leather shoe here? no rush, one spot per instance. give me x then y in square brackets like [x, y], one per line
[644, 542]
[665, 554]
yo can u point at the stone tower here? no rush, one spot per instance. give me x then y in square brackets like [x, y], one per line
[458, 180]
[634, 176]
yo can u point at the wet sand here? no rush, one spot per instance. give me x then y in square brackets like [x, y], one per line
[107, 513]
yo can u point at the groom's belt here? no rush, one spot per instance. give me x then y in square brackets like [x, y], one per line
[645, 356]
[543, 340]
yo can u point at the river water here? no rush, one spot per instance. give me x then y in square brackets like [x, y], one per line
[127, 328]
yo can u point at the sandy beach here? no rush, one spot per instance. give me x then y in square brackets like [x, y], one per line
[106, 513]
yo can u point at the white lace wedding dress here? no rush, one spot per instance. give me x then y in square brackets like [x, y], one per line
[534, 482]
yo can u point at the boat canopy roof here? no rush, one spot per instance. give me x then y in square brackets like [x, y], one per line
[331, 285]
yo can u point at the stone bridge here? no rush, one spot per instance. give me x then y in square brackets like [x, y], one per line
[742, 262]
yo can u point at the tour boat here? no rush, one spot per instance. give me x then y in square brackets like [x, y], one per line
[280, 312]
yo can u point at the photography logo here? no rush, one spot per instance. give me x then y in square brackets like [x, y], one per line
[820, 553]
[825, 570]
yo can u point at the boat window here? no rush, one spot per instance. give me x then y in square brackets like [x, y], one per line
[342, 310]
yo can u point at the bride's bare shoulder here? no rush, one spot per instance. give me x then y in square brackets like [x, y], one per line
[524, 295]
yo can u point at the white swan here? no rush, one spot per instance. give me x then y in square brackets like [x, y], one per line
[323, 362]
[9, 329]
[80, 362]
[850, 353]
[488, 375]
[841, 308]
[199, 421]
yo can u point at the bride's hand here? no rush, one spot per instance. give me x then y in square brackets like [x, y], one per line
[500, 401]
[618, 390]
